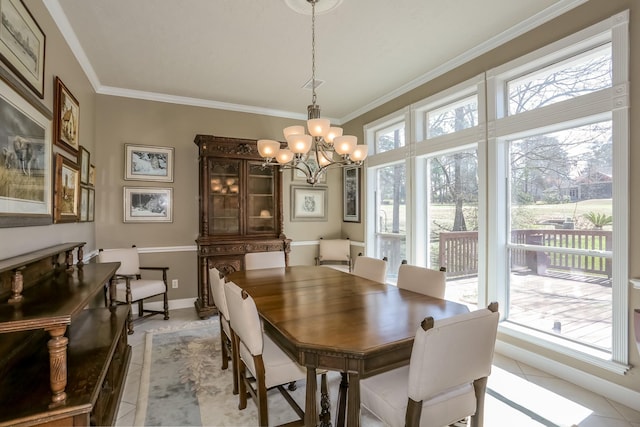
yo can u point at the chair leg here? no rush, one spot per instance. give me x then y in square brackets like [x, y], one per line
[140, 309]
[166, 306]
[223, 350]
[480, 388]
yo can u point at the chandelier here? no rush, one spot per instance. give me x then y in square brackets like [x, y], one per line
[323, 147]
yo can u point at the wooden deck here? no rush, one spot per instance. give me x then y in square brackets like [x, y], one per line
[574, 306]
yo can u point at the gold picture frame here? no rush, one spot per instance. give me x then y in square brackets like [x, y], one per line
[66, 119]
[66, 198]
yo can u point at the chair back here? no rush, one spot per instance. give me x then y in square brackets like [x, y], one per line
[452, 352]
[371, 268]
[257, 260]
[422, 280]
[217, 286]
[128, 258]
[334, 250]
[244, 320]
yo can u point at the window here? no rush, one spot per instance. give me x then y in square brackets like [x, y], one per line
[543, 191]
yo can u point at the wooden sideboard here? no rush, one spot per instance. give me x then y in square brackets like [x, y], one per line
[240, 210]
[61, 362]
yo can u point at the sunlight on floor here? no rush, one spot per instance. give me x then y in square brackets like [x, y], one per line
[527, 404]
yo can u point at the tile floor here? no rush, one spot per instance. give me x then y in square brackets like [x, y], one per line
[517, 395]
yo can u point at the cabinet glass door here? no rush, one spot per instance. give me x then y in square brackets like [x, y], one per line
[224, 197]
[260, 193]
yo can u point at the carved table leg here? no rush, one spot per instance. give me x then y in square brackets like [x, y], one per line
[325, 403]
[16, 286]
[69, 260]
[58, 363]
[80, 263]
[353, 401]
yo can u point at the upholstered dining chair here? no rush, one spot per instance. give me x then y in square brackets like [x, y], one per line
[422, 280]
[257, 260]
[335, 253]
[131, 287]
[265, 361]
[370, 268]
[447, 374]
[220, 300]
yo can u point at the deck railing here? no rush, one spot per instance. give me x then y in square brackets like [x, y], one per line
[458, 251]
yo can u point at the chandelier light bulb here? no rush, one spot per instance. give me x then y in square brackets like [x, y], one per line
[300, 143]
[359, 153]
[284, 156]
[292, 130]
[318, 127]
[332, 134]
[345, 144]
[268, 148]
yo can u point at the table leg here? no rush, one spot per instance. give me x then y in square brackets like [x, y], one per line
[325, 403]
[58, 363]
[353, 401]
[342, 400]
[310, 407]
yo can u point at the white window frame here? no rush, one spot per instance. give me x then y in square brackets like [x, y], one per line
[611, 102]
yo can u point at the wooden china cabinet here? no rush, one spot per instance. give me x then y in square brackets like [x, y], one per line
[240, 209]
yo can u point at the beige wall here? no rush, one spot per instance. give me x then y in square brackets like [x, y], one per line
[59, 61]
[590, 13]
[125, 120]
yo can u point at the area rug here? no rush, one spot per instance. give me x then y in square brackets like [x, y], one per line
[182, 383]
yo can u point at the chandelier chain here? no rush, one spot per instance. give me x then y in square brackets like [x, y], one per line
[313, 51]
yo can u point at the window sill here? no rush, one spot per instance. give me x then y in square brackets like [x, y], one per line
[593, 356]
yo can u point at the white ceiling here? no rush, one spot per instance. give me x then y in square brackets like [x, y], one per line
[255, 55]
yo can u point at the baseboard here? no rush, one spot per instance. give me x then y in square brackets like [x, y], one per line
[615, 392]
[174, 304]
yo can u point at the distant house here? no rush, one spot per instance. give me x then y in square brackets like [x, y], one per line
[596, 185]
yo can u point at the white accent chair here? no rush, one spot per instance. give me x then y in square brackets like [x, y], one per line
[371, 268]
[131, 287]
[446, 377]
[335, 253]
[422, 280]
[257, 260]
[220, 300]
[265, 361]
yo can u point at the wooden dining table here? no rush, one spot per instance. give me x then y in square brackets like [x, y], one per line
[327, 319]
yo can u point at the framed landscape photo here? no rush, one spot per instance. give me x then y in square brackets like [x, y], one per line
[351, 194]
[66, 199]
[25, 162]
[22, 44]
[91, 205]
[84, 203]
[85, 165]
[308, 203]
[66, 118]
[148, 204]
[148, 163]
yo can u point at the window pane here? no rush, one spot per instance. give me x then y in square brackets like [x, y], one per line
[580, 75]
[390, 138]
[453, 117]
[391, 221]
[561, 198]
[453, 222]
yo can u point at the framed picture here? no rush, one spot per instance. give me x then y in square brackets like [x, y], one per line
[91, 208]
[298, 175]
[351, 194]
[66, 118]
[148, 204]
[84, 203]
[92, 175]
[22, 44]
[66, 198]
[148, 163]
[25, 162]
[85, 165]
[308, 203]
